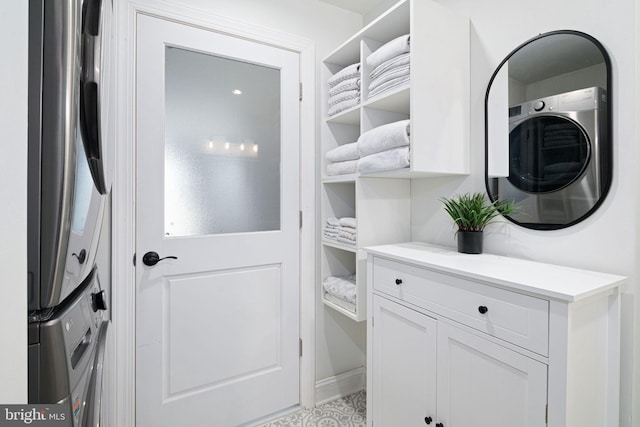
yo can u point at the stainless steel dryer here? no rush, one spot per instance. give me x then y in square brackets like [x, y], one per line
[557, 158]
[66, 354]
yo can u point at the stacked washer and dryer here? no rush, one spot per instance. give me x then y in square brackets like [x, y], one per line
[69, 182]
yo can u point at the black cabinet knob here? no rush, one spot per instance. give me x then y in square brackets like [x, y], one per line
[152, 258]
[398, 281]
[439, 425]
[427, 420]
[483, 309]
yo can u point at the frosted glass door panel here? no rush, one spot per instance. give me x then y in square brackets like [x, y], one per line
[222, 145]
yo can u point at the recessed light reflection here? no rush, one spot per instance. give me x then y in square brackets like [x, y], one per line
[236, 92]
[219, 146]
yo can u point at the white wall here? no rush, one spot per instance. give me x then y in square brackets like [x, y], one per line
[13, 193]
[606, 241]
[377, 10]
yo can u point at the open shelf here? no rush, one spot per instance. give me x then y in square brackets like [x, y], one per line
[435, 99]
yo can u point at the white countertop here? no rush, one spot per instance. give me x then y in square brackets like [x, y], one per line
[546, 280]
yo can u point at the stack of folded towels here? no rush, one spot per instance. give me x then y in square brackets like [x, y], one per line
[342, 159]
[344, 89]
[384, 148]
[341, 230]
[389, 66]
[343, 288]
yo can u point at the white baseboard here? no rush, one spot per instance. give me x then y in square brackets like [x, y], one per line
[341, 385]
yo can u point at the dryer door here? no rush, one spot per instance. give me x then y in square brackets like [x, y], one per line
[547, 153]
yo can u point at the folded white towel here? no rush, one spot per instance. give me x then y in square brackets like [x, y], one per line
[343, 96]
[343, 152]
[391, 74]
[342, 168]
[346, 241]
[333, 221]
[346, 235]
[349, 84]
[347, 229]
[348, 222]
[395, 47]
[394, 62]
[391, 84]
[384, 137]
[395, 158]
[343, 106]
[341, 287]
[346, 73]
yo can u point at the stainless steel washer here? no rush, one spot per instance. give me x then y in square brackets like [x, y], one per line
[557, 152]
[66, 354]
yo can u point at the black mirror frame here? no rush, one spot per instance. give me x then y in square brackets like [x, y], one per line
[609, 164]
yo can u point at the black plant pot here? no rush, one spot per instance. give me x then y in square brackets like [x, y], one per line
[470, 242]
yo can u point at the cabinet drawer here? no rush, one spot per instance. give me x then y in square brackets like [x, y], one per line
[520, 319]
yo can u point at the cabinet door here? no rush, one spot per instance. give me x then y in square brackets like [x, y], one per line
[483, 384]
[404, 366]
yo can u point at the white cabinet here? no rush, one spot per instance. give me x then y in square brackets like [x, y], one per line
[477, 382]
[457, 340]
[403, 391]
[435, 99]
[483, 384]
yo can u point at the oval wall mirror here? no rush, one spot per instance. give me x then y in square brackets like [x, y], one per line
[548, 130]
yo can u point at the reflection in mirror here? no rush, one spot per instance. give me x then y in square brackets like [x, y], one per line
[547, 124]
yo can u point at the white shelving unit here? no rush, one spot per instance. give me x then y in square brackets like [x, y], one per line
[436, 100]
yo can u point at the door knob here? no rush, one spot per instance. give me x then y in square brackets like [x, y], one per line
[82, 256]
[152, 258]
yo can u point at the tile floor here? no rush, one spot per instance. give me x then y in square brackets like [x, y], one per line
[349, 411]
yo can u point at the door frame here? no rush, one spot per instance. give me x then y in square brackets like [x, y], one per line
[122, 354]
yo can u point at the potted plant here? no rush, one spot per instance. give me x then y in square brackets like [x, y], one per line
[472, 213]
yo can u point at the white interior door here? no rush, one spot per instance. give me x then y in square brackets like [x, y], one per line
[217, 328]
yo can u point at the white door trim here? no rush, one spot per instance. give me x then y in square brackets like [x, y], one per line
[123, 226]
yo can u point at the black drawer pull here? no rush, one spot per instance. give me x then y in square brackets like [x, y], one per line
[439, 425]
[483, 309]
[398, 281]
[427, 420]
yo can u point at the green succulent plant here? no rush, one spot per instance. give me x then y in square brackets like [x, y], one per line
[473, 212]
